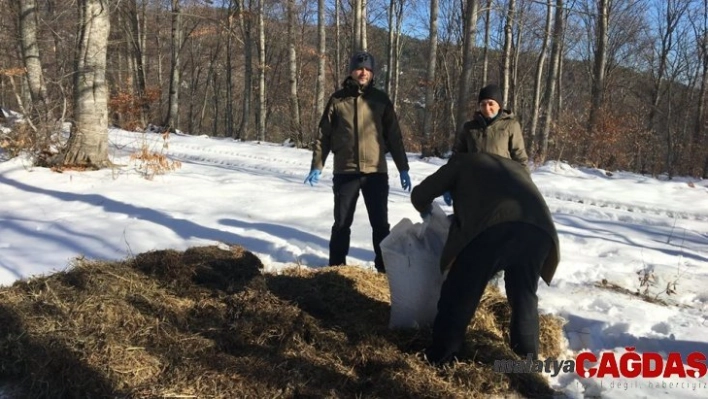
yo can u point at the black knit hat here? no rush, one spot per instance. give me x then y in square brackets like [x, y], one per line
[362, 59]
[491, 92]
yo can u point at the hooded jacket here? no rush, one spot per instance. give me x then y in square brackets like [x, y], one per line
[486, 190]
[502, 136]
[359, 126]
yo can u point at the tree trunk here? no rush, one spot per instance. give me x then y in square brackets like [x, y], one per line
[699, 129]
[485, 49]
[193, 87]
[260, 120]
[390, 46]
[138, 59]
[397, 58]
[670, 139]
[464, 88]
[671, 36]
[209, 81]
[322, 55]
[599, 67]
[364, 18]
[38, 107]
[296, 128]
[552, 78]
[356, 34]
[234, 10]
[450, 81]
[172, 120]
[246, 26]
[158, 48]
[538, 78]
[428, 126]
[559, 79]
[88, 143]
[338, 42]
[514, 84]
[506, 53]
[216, 101]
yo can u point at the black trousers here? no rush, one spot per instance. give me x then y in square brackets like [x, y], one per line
[374, 188]
[517, 248]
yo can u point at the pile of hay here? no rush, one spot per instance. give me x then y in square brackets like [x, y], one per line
[207, 323]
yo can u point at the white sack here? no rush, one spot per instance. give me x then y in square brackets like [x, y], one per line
[411, 254]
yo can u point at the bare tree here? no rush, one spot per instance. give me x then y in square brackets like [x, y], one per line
[321, 57]
[338, 41]
[448, 63]
[395, 49]
[540, 61]
[261, 111]
[390, 45]
[516, 51]
[599, 66]
[470, 32]
[172, 119]
[552, 79]
[246, 22]
[672, 13]
[428, 125]
[296, 127]
[232, 12]
[485, 49]
[364, 19]
[88, 143]
[506, 53]
[700, 136]
[356, 26]
[195, 54]
[136, 42]
[39, 107]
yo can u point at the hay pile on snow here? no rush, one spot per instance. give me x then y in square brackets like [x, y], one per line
[207, 323]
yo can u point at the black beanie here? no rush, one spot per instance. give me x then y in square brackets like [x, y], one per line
[491, 92]
[362, 59]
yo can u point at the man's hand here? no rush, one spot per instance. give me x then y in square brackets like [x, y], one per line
[313, 177]
[405, 180]
[427, 212]
[447, 197]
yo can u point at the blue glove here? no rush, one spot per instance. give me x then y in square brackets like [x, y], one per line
[447, 197]
[313, 177]
[405, 180]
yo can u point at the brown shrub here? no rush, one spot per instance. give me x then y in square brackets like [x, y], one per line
[150, 162]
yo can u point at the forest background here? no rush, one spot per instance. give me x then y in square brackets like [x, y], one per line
[614, 84]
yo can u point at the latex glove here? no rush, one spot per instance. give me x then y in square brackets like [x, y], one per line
[405, 180]
[313, 177]
[447, 197]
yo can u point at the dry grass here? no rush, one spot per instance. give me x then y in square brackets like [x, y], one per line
[643, 294]
[151, 162]
[207, 323]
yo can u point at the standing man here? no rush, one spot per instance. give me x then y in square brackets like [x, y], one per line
[492, 129]
[359, 126]
[501, 223]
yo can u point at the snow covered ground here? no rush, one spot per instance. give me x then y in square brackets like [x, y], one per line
[614, 227]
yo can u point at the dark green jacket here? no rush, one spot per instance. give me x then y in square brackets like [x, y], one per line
[359, 126]
[486, 190]
[502, 137]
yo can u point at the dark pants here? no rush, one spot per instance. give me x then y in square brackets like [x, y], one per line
[517, 248]
[374, 188]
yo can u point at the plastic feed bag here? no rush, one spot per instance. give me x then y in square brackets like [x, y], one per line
[411, 253]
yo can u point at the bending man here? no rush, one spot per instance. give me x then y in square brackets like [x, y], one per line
[501, 222]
